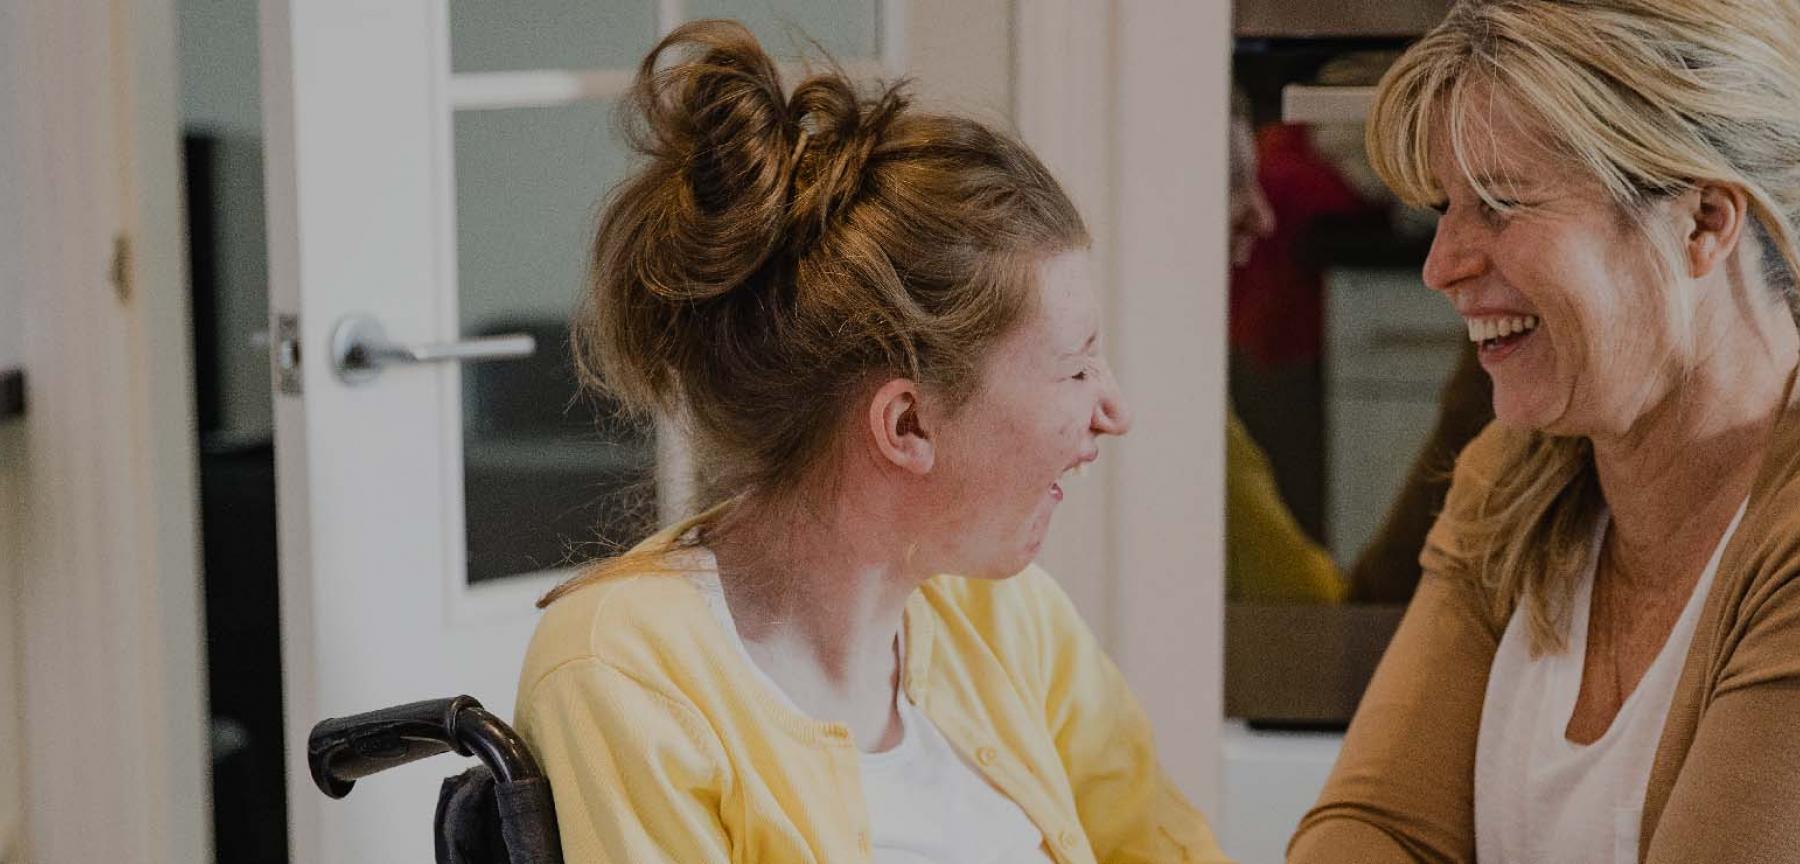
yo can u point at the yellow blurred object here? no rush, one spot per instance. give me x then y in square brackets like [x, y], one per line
[1268, 558]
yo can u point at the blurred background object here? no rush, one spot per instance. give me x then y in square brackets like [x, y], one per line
[1356, 386]
[1358, 19]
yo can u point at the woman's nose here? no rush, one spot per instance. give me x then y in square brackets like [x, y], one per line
[1456, 254]
[1112, 415]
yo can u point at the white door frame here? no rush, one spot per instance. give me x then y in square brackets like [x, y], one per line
[103, 551]
[1150, 176]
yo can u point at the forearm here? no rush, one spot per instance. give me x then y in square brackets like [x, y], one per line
[1402, 789]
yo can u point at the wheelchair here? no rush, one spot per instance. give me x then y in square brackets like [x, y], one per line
[499, 812]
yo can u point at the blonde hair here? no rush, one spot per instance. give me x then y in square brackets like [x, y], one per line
[1650, 98]
[773, 254]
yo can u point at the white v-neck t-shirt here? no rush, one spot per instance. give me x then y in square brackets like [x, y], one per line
[1543, 799]
[926, 805]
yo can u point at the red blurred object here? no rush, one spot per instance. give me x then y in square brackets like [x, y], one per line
[1277, 298]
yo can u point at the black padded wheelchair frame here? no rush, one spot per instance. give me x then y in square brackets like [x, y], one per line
[342, 750]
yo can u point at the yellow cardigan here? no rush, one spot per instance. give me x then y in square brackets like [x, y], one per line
[663, 746]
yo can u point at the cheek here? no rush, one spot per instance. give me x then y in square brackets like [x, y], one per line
[1610, 332]
[1063, 430]
[1573, 293]
[1030, 452]
[1621, 322]
[993, 458]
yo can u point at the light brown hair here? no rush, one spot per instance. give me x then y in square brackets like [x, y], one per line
[775, 255]
[1651, 98]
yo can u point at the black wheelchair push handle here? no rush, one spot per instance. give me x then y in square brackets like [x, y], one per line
[343, 750]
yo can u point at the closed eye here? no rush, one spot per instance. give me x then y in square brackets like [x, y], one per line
[1498, 208]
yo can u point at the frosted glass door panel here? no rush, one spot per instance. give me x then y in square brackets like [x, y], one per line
[549, 479]
[515, 35]
[848, 29]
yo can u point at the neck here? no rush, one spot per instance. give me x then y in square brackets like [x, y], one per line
[1677, 476]
[819, 594]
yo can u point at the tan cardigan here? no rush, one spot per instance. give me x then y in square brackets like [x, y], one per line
[1725, 786]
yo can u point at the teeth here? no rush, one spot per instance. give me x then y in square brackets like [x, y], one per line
[1486, 329]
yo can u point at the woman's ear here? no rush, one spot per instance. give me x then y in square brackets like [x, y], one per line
[899, 428]
[1718, 212]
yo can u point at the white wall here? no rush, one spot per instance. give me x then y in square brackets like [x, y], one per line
[963, 53]
[1169, 262]
[12, 443]
[1126, 102]
[12, 348]
[99, 548]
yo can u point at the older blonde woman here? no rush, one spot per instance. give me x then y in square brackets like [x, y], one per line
[1602, 663]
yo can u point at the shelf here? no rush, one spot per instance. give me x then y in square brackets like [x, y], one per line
[1314, 105]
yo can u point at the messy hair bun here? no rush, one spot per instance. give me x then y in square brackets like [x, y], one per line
[773, 252]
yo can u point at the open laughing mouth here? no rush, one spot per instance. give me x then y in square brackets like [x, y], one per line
[1075, 472]
[1499, 335]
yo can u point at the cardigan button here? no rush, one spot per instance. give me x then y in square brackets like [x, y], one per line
[987, 756]
[1068, 840]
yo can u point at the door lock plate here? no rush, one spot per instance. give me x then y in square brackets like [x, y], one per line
[285, 351]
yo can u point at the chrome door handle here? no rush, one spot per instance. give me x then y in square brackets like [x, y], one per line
[360, 349]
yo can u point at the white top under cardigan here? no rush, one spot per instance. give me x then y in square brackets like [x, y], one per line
[1542, 799]
[926, 805]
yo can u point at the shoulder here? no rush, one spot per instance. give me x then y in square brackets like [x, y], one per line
[1753, 615]
[1764, 558]
[1774, 512]
[1478, 468]
[610, 699]
[649, 627]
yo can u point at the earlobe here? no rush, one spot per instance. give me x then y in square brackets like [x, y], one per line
[898, 427]
[1719, 215]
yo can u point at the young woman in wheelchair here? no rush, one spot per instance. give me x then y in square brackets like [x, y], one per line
[877, 326]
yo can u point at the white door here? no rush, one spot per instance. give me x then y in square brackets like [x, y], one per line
[433, 168]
